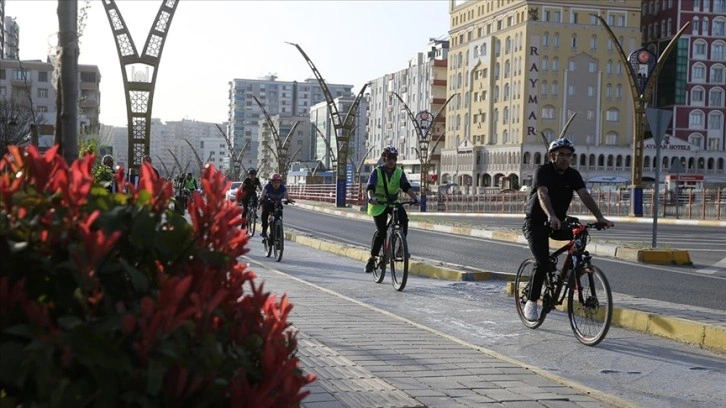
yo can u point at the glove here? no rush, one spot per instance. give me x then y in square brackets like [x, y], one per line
[373, 200]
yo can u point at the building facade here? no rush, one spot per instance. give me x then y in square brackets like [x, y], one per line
[692, 84]
[422, 86]
[299, 146]
[10, 38]
[278, 98]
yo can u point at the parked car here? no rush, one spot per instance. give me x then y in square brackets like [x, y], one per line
[232, 192]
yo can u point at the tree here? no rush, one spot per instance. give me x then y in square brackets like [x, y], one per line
[15, 120]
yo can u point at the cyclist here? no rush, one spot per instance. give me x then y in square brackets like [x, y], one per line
[249, 188]
[383, 186]
[273, 192]
[547, 205]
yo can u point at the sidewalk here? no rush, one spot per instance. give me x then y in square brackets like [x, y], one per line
[688, 324]
[366, 357]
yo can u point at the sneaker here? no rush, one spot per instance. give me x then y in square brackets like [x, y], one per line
[370, 265]
[399, 252]
[263, 235]
[531, 311]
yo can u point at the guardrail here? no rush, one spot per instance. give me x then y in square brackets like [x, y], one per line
[707, 204]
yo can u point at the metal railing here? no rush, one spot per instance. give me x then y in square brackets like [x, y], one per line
[706, 204]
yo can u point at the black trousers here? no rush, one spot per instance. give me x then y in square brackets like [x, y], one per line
[381, 220]
[537, 235]
[267, 207]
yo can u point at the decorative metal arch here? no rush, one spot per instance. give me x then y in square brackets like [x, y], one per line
[140, 85]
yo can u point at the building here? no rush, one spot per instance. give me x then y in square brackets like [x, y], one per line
[692, 85]
[323, 133]
[422, 86]
[30, 84]
[521, 68]
[278, 98]
[10, 37]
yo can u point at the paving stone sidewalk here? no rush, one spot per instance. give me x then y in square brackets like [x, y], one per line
[367, 357]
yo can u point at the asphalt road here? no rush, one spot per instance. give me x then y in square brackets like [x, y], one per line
[697, 286]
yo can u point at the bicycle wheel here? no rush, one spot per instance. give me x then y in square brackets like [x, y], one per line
[590, 305]
[251, 221]
[399, 260]
[379, 268]
[279, 240]
[522, 282]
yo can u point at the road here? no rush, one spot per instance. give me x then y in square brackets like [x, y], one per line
[683, 285]
[647, 370]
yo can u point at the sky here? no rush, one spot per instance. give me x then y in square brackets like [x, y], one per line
[209, 43]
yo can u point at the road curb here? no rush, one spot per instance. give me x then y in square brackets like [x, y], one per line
[685, 331]
[638, 255]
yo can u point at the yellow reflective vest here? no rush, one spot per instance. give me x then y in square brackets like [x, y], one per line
[394, 186]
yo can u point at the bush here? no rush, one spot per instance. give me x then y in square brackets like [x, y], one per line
[113, 300]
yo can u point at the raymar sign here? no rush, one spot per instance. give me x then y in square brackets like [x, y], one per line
[670, 143]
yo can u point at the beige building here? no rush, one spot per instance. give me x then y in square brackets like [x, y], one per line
[298, 148]
[520, 68]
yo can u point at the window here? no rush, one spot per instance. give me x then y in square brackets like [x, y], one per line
[695, 120]
[619, 91]
[548, 112]
[705, 26]
[611, 138]
[718, 28]
[88, 77]
[571, 66]
[592, 67]
[698, 73]
[699, 49]
[556, 40]
[715, 97]
[20, 75]
[717, 74]
[42, 92]
[574, 41]
[544, 88]
[609, 67]
[555, 64]
[696, 25]
[697, 95]
[715, 120]
[612, 115]
[43, 76]
[590, 91]
[717, 53]
[546, 39]
[593, 42]
[719, 6]
[555, 88]
[41, 109]
[571, 90]
[609, 91]
[545, 64]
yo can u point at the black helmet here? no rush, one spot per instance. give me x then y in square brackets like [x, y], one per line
[252, 172]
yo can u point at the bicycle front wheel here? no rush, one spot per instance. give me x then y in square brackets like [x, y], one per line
[379, 268]
[279, 240]
[251, 222]
[590, 305]
[522, 284]
[399, 260]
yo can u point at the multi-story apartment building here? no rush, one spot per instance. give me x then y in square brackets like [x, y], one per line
[278, 97]
[692, 84]
[29, 83]
[11, 38]
[299, 147]
[422, 86]
[519, 68]
[2, 29]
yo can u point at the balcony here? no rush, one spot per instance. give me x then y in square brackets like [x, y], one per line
[440, 63]
[438, 82]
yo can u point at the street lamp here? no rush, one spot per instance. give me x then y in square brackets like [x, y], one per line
[643, 71]
[423, 122]
[281, 146]
[343, 128]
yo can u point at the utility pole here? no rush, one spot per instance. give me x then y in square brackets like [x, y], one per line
[67, 128]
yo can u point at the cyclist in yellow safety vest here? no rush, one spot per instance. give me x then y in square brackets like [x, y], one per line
[384, 183]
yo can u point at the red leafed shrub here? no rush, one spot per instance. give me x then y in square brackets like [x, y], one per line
[110, 299]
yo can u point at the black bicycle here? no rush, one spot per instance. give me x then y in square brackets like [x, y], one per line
[394, 251]
[251, 214]
[589, 299]
[275, 241]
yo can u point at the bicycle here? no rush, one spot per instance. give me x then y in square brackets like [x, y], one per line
[275, 241]
[394, 250]
[589, 299]
[251, 214]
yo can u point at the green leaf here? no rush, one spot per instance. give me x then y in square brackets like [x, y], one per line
[25, 331]
[93, 349]
[155, 376]
[12, 355]
[69, 322]
[138, 279]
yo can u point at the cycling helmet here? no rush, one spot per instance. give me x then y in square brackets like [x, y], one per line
[390, 151]
[562, 142]
[276, 177]
[252, 172]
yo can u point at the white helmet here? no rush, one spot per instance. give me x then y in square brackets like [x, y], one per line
[561, 142]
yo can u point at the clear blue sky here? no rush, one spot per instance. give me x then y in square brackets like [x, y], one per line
[213, 42]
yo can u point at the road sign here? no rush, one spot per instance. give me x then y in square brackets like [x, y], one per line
[658, 119]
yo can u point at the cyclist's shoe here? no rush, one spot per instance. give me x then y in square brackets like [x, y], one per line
[531, 311]
[399, 252]
[370, 265]
[263, 235]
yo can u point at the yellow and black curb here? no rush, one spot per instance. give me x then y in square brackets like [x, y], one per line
[701, 334]
[638, 255]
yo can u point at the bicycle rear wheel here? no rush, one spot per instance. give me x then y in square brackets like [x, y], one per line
[251, 221]
[399, 260]
[590, 305]
[279, 242]
[522, 282]
[379, 268]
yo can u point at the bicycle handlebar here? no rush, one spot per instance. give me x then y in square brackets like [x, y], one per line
[401, 203]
